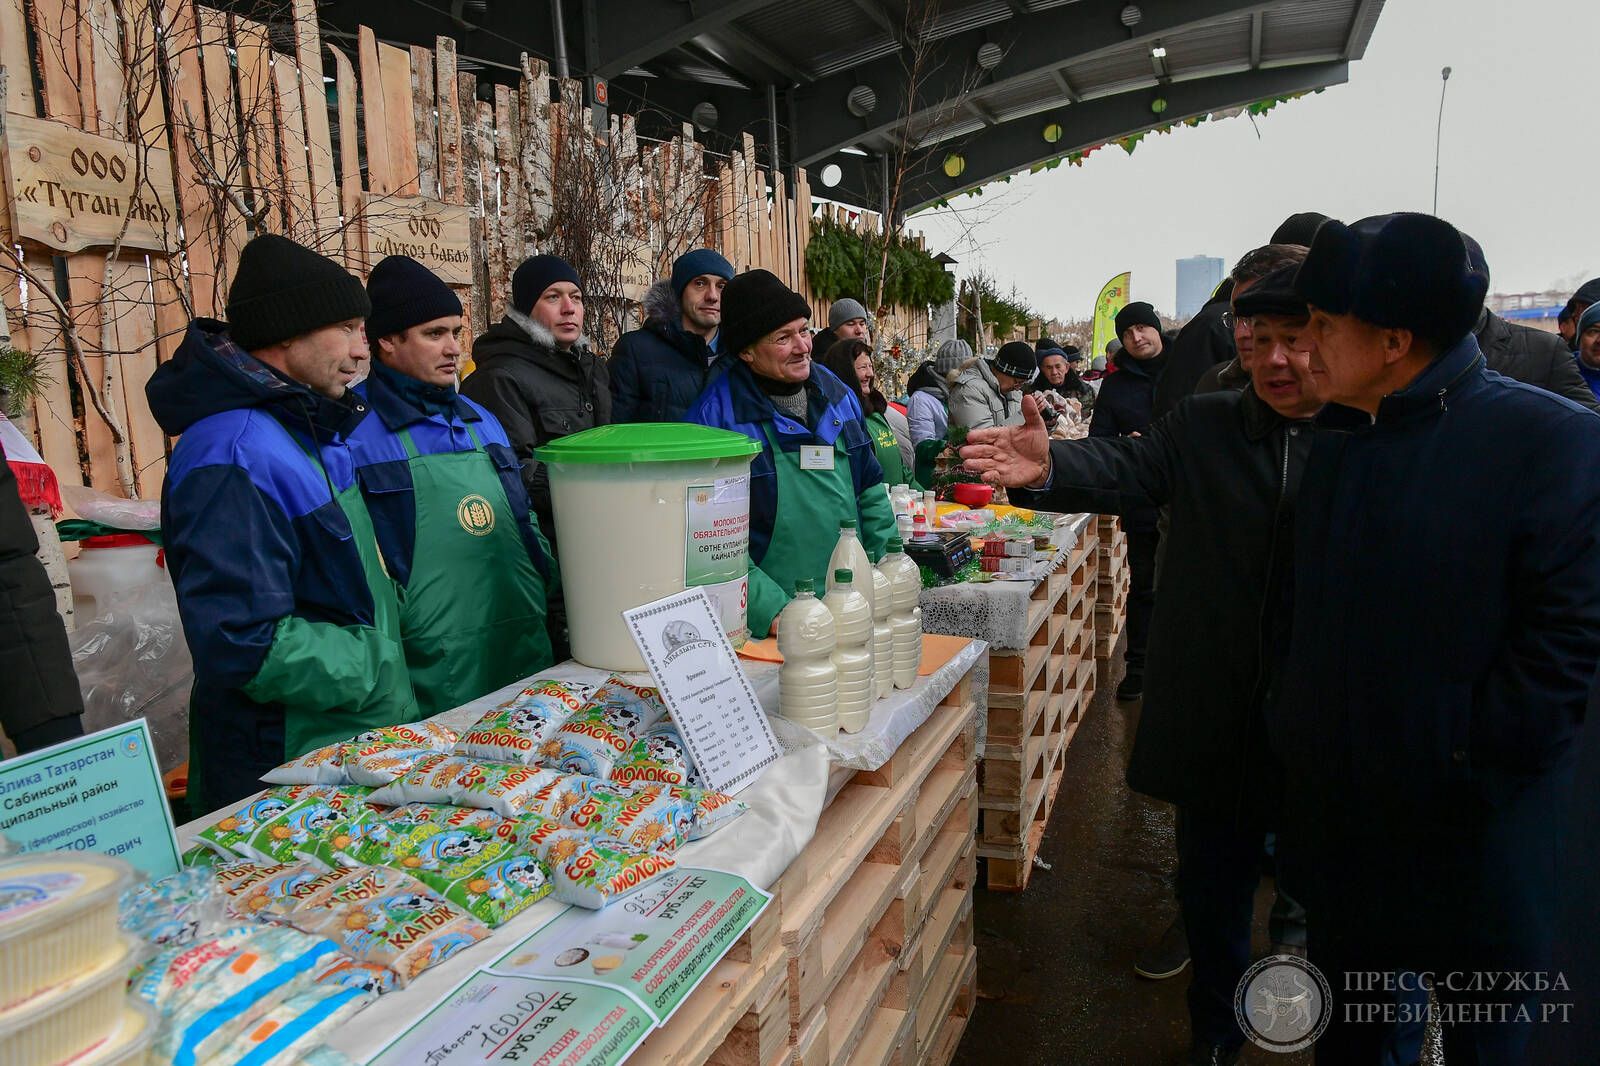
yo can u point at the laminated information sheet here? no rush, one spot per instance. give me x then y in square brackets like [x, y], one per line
[716, 711]
[653, 946]
[501, 1018]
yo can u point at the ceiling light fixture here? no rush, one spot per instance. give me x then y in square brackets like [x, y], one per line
[1131, 16]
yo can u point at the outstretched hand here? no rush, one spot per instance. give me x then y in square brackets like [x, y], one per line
[1013, 456]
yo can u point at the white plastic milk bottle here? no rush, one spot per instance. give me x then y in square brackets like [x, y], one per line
[905, 620]
[852, 654]
[849, 554]
[882, 634]
[808, 682]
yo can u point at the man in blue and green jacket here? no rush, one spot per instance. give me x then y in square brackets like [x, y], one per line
[817, 465]
[446, 495]
[292, 621]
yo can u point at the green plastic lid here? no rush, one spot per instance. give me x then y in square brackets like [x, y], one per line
[843, 576]
[847, 523]
[895, 545]
[648, 442]
[805, 584]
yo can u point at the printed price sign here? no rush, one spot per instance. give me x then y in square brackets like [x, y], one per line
[712, 703]
[100, 793]
[505, 1018]
[654, 946]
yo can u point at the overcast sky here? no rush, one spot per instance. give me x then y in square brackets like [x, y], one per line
[1520, 164]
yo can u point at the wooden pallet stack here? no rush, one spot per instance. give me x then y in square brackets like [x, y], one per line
[1112, 606]
[865, 955]
[1036, 699]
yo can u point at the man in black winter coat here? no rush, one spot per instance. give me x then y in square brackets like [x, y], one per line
[536, 374]
[1524, 353]
[1228, 466]
[43, 704]
[660, 369]
[1123, 408]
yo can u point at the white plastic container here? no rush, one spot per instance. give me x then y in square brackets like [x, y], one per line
[642, 512]
[65, 1021]
[852, 620]
[58, 918]
[111, 564]
[882, 634]
[905, 620]
[849, 554]
[808, 682]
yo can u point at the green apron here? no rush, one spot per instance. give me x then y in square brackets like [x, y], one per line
[805, 526]
[887, 447]
[473, 609]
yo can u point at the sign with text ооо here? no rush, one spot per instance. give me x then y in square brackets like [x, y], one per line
[72, 190]
[434, 233]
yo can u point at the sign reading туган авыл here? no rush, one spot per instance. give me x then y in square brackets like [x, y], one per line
[432, 232]
[72, 190]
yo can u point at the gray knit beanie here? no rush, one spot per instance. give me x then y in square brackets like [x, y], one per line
[846, 310]
[950, 356]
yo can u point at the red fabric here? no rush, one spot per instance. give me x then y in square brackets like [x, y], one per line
[38, 487]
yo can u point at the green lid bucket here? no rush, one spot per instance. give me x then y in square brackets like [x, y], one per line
[648, 442]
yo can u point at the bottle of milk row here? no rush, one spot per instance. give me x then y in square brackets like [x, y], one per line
[808, 682]
[905, 619]
[852, 653]
[882, 634]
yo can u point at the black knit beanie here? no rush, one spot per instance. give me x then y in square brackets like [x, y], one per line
[754, 304]
[404, 294]
[537, 274]
[282, 289]
[1137, 314]
[1017, 359]
[1298, 229]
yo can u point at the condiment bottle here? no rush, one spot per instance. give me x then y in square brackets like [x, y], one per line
[852, 653]
[808, 682]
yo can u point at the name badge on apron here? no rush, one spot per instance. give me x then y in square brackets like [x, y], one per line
[816, 457]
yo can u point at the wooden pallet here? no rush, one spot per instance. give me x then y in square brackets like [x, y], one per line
[806, 982]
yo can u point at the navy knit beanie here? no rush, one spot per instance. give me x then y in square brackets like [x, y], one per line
[404, 294]
[691, 265]
[282, 289]
[536, 275]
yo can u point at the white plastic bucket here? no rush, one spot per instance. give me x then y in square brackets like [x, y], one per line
[111, 564]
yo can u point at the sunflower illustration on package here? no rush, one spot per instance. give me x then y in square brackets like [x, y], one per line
[590, 743]
[275, 891]
[505, 788]
[497, 890]
[230, 835]
[388, 918]
[711, 810]
[335, 764]
[628, 708]
[431, 779]
[592, 871]
[513, 731]
[315, 827]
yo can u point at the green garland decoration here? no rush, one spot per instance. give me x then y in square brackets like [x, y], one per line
[842, 263]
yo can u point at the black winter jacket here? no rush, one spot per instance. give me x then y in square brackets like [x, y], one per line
[659, 370]
[539, 393]
[1124, 406]
[42, 703]
[1532, 356]
[1229, 467]
[1202, 343]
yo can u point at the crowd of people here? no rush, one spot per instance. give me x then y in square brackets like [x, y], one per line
[1364, 613]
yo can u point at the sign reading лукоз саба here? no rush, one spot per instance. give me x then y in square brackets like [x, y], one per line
[100, 793]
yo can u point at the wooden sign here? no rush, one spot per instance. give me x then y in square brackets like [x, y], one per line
[72, 190]
[434, 233]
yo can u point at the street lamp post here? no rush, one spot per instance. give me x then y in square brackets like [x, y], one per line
[1444, 83]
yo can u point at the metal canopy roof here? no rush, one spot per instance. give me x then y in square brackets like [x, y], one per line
[993, 73]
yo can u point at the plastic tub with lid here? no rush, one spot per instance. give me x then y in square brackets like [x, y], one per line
[130, 1042]
[644, 511]
[62, 1022]
[115, 562]
[58, 913]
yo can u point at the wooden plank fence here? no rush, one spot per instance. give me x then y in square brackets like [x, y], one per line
[227, 127]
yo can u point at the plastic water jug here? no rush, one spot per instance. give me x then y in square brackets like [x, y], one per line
[852, 654]
[808, 682]
[905, 620]
[116, 562]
